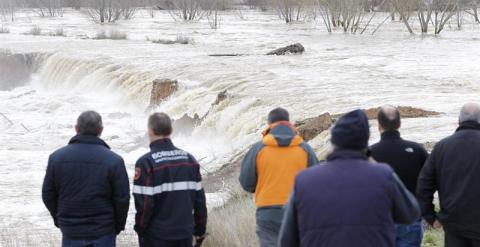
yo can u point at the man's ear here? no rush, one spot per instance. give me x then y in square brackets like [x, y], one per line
[99, 132]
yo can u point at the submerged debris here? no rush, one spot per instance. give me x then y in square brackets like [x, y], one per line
[291, 49]
[405, 112]
[312, 127]
[161, 90]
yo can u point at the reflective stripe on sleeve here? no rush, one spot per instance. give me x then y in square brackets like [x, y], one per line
[167, 187]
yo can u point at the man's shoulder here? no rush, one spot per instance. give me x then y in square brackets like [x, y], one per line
[257, 146]
[413, 146]
[60, 152]
[375, 146]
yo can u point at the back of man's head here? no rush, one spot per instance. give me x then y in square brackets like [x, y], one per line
[89, 123]
[160, 124]
[389, 118]
[278, 115]
[470, 113]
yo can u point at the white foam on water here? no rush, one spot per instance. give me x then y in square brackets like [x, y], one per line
[336, 73]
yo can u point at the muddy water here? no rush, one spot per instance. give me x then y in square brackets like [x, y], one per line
[337, 73]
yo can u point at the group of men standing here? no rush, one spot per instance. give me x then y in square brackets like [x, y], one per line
[365, 196]
[360, 196]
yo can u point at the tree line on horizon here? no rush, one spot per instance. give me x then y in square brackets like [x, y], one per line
[352, 16]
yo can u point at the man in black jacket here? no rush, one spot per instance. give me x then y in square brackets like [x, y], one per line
[169, 198]
[407, 159]
[453, 169]
[86, 188]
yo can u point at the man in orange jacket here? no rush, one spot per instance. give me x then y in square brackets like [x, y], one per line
[269, 170]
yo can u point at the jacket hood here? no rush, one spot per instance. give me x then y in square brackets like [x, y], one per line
[281, 134]
[88, 139]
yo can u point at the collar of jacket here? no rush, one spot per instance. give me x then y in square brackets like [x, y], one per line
[282, 134]
[281, 123]
[391, 135]
[347, 154]
[164, 143]
[469, 125]
[88, 139]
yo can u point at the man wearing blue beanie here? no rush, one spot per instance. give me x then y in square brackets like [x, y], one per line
[347, 201]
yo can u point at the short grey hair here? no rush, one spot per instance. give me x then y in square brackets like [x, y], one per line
[161, 124]
[470, 112]
[89, 123]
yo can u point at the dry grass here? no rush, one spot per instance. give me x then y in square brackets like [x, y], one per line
[59, 32]
[4, 29]
[36, 31]
[179, 40]
[112, 34]
[232, 225]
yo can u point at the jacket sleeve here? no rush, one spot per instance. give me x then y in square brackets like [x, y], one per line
[312, 157]
[405, 206]
[49, 192]
[289, 235]
[248, 172]
[200, 208]
[121, 195]
[424, 155]
[426, 188]
[143, 195]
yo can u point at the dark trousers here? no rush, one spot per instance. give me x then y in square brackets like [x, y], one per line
[453, 239]
[105, 241]
[151, 242]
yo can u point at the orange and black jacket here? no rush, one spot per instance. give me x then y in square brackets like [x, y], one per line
[270, 167]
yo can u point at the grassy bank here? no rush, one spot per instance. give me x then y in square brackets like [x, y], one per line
[232, 225]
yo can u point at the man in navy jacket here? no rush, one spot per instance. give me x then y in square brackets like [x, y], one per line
[86, 188]
[169, 198]
[347, 201]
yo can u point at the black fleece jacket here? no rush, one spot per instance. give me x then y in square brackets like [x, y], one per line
[405, 157]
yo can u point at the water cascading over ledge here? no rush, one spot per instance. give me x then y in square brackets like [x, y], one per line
[16, 69]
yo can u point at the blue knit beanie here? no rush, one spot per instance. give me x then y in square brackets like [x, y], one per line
[351, 131]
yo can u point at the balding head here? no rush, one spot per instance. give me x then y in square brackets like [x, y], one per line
[470, 112]
[388, 118]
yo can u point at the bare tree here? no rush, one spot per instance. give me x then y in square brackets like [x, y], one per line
[261, 4]
[473, 5]
[404, 8]
[347, 14]
[213, 15]
[107, 11]
[444, 10]
[50, 8]
[8, 9]
[186, 10]
[103, 11]
[289, 10]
